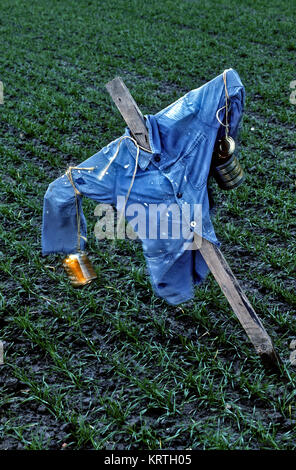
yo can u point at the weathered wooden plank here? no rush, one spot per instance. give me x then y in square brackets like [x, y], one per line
[239, 302]
[211, 254]
[129, 111]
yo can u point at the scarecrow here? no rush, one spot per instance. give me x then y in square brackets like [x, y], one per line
[163, 161]
[188, 140]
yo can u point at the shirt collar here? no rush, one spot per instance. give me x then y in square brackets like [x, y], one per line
[154, 142]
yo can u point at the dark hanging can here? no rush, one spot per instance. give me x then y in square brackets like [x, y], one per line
[229, 175]
[226, 168]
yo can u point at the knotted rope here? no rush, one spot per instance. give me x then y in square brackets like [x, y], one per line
[226, 125]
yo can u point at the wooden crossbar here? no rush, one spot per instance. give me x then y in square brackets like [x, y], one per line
[210, 252]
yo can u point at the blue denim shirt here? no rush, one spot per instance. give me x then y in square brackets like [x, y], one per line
[182, 139]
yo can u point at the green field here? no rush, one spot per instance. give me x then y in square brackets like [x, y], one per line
[112, 366]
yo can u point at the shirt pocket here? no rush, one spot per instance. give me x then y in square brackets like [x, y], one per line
[197, 161]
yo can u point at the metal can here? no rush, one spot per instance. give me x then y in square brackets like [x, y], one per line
[79, 269]
[230, 174]
[226, 147]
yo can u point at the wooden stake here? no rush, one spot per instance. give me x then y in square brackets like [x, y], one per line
[129, 111]
[239, 302]
[211, 253]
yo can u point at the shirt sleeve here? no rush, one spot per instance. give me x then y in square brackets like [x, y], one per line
[62, 229]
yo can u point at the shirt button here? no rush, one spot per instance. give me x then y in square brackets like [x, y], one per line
[179, 195]
[157, 158]
[193, 223]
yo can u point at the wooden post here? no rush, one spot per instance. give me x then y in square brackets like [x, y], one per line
[239, 303]
[211, 253]
[129, 111]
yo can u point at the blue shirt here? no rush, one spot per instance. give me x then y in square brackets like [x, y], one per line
[182, 139]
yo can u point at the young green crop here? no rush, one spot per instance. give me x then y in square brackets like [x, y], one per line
[111, 366]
